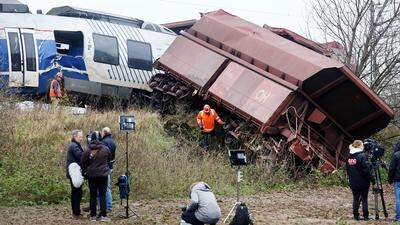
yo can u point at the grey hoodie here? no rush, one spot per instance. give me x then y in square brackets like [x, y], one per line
[204, 203]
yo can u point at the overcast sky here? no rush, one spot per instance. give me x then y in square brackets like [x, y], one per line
[291, 14]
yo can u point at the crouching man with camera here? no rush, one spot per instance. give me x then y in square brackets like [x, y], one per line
[360, 177]
[203, 207]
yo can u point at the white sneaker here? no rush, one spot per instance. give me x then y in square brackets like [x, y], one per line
[92, 219]
[105, 219]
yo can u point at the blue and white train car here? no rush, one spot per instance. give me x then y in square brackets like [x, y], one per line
[100, 54]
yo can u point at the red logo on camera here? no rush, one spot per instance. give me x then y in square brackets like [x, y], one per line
[352, 162]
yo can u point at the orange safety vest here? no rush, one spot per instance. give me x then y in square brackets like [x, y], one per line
[207, 120]
[55, 89]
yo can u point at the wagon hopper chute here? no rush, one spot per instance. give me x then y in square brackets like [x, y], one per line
[314, 104]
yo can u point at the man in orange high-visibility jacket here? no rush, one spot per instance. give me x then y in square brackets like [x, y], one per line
[55, 91]
[206, 121]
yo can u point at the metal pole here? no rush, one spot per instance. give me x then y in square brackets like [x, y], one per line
[237, 184]
[376, 192]
[127, 173]
[381, 192]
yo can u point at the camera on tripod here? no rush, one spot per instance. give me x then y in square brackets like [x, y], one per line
[376, 152]
[374, 148]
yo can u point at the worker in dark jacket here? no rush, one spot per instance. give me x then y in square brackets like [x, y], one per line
[109, 142]
[394, 176]
[359, 172]
[95, 162]
[74, 155]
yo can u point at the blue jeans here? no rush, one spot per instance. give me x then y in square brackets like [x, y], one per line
[108, 195]
[397, 194]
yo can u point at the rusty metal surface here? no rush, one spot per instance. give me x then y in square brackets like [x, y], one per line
[324, 49]
[250, 92]
[257, 43]
[259, 75]
[190, 60]
[290, 62]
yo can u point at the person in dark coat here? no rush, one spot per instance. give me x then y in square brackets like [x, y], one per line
[109, 142]
[74, 155]
[360, 177]
[95, 163]
[394, 177]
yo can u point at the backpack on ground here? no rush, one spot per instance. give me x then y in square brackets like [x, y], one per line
[242, 216]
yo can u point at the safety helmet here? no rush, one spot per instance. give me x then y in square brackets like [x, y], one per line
[59, 75]
[207, 108]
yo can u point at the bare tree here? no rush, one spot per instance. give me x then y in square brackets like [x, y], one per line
[369, 31]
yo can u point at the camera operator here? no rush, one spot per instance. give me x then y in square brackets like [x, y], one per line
[360, 177]
[203, 207]
[95, 162]
[394, 177]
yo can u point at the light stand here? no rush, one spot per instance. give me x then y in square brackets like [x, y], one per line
[378, 190]
[237, 159]
[127, 124]
[237, 203]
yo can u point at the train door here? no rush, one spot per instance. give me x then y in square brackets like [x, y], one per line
[23, 58]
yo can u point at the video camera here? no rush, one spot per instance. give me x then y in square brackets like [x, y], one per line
[374, 148]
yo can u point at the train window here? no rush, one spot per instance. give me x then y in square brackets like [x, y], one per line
[15, 51]
[149, 26]
[140, 55]
[30, 50]
[106, 49]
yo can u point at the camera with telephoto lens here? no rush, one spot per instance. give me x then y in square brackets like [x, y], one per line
[374, 148]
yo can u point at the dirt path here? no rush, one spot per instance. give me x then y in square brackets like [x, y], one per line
[312, 206]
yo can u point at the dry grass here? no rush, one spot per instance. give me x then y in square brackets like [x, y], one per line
[34, 143]
[33, 151]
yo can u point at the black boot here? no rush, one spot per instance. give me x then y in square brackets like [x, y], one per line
[356, 216]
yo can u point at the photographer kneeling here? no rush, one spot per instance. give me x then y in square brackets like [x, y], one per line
[360, 177]
[95, 162]
[203, 207]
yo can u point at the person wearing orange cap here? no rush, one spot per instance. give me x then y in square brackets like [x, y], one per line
[206, 121]
[55, 91]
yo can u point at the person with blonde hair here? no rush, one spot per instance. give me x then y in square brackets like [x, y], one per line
[360, 177]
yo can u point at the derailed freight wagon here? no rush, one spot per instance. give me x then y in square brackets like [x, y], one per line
[298, 98]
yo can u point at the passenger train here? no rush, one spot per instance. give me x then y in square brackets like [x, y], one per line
[100, 54]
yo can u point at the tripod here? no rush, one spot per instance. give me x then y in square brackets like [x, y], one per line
[378, 190]
[127, 173]
[237, 203]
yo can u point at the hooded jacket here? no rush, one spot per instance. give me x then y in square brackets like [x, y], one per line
[95, 161]
[204, 204]
[358, 169]
[394, 169]
[74, 154]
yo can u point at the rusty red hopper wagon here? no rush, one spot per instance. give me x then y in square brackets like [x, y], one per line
[313, 103]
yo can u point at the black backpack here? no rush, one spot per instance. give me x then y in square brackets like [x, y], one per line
[242, 216]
